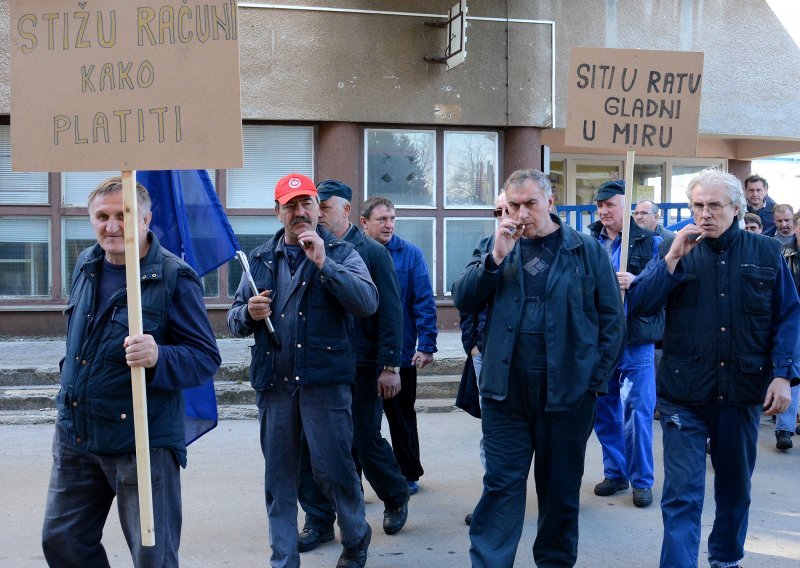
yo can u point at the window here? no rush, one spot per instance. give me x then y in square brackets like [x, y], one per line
[421, 232]
[270, 152]
[76, 186]
[460, 238]
[24, 256]
[76, 235]
[18, 188]
[470, 169]
[401, 165]
[648, 182]
[251, 232]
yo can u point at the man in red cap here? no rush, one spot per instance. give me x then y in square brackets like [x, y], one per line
[313, 284]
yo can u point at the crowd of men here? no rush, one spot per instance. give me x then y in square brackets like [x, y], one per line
[560, 328]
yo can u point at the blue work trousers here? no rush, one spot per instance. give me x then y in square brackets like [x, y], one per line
[516, 431]
[733, 431]
[373, 452]
[624, 418]
[787, 419]
[323, 413]
[82, 488]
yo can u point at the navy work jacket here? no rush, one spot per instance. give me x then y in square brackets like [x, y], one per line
[95, 401]
[584, 325]
[732, 316]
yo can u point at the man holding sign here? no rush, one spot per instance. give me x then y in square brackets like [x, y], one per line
[93, 446]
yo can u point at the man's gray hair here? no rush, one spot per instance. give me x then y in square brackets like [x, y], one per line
[521, 176]
[654, 209]
[713, 177]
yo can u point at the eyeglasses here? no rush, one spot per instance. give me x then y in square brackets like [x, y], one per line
[640, 213]
[713, 208]
[498, 213]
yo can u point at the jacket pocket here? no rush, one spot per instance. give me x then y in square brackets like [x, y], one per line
[110, 426]
[330, 358]
[756, 373]
[261, 374]
[677, 378]
[757, 285]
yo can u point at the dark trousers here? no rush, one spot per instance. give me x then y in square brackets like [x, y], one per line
[82, 488]
[372, 451]
[402, 420]
[516, 431]
[733, 431]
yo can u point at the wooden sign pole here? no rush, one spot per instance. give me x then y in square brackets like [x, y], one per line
[626, 214]
[141, 430]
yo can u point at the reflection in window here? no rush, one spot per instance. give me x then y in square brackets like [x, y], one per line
[401, 166]
[251, 232]
[18, 188]
[470, 168]
[420, 232]
[461, 236]
[24, 256]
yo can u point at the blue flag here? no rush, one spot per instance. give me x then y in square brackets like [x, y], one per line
[189, 221]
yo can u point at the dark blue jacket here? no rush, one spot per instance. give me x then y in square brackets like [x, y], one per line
[791, 254]
[94, 403]
[643, 246]
[330, 298]
[473, 326]
[584, 325]
[732, 319]
[768, 227]
[378, 339]
[416, 294]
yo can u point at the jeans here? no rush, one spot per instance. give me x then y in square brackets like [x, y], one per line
[624, 422]
[517, 431]
[787, 419]
[402, 419]
[82, 488]
[733, 431]
[373, 452]
[323, 413]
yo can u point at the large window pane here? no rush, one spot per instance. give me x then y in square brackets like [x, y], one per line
[647, 182]
[401, 165]
[24, 256]
[76, 186]
[77, 234]
[470, 169]
[270, 152]
[251, 232]
[460, 238]
[18, 188]
[420, 232]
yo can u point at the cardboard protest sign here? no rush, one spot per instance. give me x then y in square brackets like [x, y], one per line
[631, 99]
[109, 85]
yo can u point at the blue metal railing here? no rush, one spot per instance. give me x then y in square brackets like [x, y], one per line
[578, 216]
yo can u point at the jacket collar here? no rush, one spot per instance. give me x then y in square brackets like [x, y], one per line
[726, 239]
[150, 266]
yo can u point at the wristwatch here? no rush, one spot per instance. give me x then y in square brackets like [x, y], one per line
[390, 368]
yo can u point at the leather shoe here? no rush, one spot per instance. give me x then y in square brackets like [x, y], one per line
[608, 487]
[394, 518]
[642, 496]
[310, 538]
[356, 557]
[783, 440]
[468, 519]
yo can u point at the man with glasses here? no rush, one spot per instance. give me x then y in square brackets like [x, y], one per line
[758, 202]
[647, 215]
[730, 347]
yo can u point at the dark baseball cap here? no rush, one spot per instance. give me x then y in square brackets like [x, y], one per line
[331, 187]
[609, 189]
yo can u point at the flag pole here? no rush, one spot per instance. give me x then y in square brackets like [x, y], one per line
[626, 214]
[131, 208]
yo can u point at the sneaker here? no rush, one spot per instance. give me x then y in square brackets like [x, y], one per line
[394, 518]
[356, 557]
[310, 538]
[783, 440]
[642, 496]
[413, 487]
[608, 487]
[468, 519]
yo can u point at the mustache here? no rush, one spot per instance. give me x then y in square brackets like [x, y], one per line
[300, 219]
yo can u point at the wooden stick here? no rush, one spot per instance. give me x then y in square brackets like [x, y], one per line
[626, 214]
[141, 430]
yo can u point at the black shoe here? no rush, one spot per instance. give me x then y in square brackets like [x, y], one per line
[783, 440]
[356, 557]
[468, 519]
[642, 496]
[310, 538]
[394, 518]
[608, 487]
[797, 430]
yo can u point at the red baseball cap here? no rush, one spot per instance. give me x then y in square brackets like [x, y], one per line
[292, 185]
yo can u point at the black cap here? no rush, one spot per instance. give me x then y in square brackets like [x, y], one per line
[608, 190]
[331, 187]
